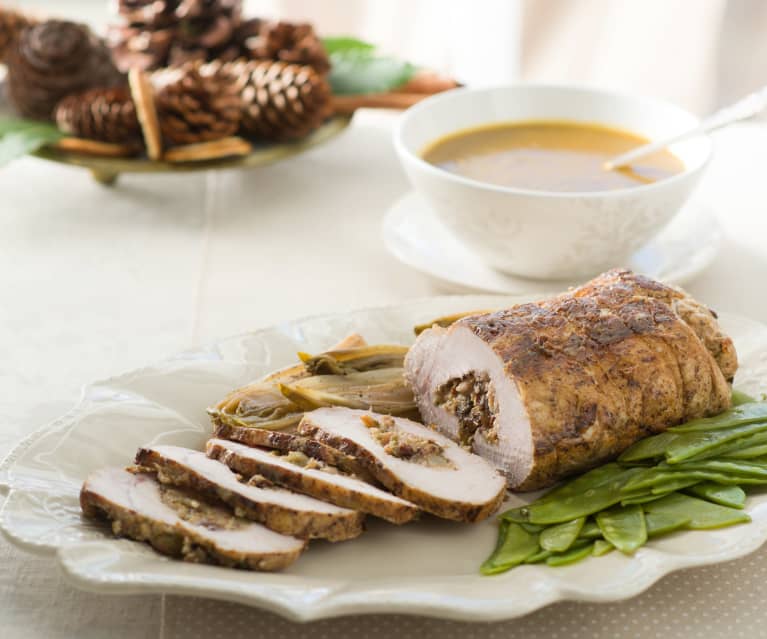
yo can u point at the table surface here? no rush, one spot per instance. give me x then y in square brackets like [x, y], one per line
[97, 280]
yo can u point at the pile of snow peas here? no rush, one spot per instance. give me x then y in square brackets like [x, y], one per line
[688, 477]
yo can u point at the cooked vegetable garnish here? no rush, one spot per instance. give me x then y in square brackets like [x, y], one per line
[702, 514]
[559, 538]
[664, 522]
[591, 501]
[590, 530]
[690, 444]
[576, 553]
[514, 546]
[732, 496]
[750, 413]
[355, 360]
[739, 444]
[624, 527]
[649, 448]
[601, 547]
[622, 504]
[541, 555]
[747, 453]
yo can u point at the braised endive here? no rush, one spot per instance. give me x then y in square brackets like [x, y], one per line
[353, 374]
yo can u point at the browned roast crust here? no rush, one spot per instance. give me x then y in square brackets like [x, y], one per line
[396, 513]
[172, 541]
[447, 509]
[605, 365]
[285, 441]
[280, 518]
[700, 318]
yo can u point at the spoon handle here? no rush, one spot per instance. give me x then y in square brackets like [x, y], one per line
[743, 109]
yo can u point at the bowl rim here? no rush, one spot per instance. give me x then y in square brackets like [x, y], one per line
[410, 156]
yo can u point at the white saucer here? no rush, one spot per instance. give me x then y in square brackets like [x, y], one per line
[414, 235]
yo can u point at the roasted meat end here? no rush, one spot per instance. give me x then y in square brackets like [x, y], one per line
[547, 389]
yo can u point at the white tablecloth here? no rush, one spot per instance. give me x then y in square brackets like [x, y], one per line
[94, 281]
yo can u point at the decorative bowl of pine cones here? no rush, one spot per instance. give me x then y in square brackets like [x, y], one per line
[179, 85]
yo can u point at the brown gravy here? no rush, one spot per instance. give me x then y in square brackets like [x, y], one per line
[548, 155]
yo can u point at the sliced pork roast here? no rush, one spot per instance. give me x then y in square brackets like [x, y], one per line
[297, 471]
[412, 461]
[176, 523]
[547, 389]
[259, 500]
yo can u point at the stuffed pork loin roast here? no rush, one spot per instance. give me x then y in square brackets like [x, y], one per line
[550, 388]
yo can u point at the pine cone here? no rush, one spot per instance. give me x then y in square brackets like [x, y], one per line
[138, 47]
[196, 107]
[280, 101]
[12, 23]
[155, 13]
[107, 115]
[174, 32]
[51, 60]
[289, 42]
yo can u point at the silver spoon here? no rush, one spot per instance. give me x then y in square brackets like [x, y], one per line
[748, 107]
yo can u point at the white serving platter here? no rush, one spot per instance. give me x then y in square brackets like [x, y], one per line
[427, 568]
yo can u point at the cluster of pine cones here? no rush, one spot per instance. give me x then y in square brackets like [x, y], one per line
[213, 74]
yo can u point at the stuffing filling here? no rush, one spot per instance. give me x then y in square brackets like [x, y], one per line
[404, 445]
[471, 398]
[198, 512]
[298, 458]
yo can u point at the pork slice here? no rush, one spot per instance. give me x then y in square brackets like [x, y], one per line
[289, 440]
[178, 523]
[300, 473]
[412, 461]
[279, 509]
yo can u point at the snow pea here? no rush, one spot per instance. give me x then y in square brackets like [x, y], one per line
[576, 553]
[735, 468]
[641, 499]
[739, 397]
[752, 452]
[624, 527]
[741, 443]
[596, 477]
[731, 496]
[690, 444]
[601, 547]
[740, 415]
[661, 523]
[560, 537]
[514, 546]
[590, 530]
[663, 477]
[702, 514]
[519, 515]
[540, 556]
[672, 485]
[531, 528]
[648, 448]
[588, 502]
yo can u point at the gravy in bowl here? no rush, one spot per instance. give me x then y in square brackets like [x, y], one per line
[548, 155]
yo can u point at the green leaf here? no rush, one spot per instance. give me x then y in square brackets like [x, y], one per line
[355, 72]
[342, 44]
[19, 137]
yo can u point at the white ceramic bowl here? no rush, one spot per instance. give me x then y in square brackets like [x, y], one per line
[539, 234]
